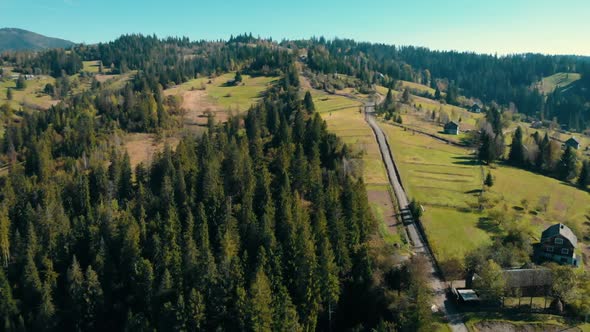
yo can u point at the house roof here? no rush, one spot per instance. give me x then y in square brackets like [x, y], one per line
[452, 125]
[573, 140]
[563, 230]
[521, 278]
[475, 106]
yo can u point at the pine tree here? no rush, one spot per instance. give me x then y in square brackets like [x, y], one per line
[489, 181]
[566, 168]
[517, 149]
[388, 102]
[4, 237]
[196, 311]
[76, 292]
[45, 316]
[21, 83]
[437, 94]
[328, 273]
[406, 96]
[8, 306]
[260, 306]
[9, 95]
[285, 314]
[308, 103]
[584, 178]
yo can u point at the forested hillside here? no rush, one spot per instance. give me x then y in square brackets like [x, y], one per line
[501, 79]
[12, 39]
[258, 224]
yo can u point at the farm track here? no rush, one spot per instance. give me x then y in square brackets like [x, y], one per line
[420, 246]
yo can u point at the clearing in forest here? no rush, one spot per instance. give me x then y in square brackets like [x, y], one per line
[32, 96]
[215, 95]
[560, 80]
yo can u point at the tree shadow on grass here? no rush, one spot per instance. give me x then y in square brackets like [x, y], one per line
[488, 225]
[465, 160]
[474, 192]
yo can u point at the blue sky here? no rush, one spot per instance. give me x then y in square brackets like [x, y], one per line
[498, 26]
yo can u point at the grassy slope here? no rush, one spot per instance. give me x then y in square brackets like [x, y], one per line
[32, 94]
[444, 179]
[548, 84]
[238, 98]
[141, 147]
[417, 87]
[344, 119]
[433, 173]
[419, 116]
[90, 66]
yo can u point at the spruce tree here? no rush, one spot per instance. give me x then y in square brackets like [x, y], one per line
[9, 94]
[260, 295]
[517, 150]
[489, 181]
[437, 94]
[308, 103]
[21, 83]
[584, 178]
[566, 168]
[406, 96]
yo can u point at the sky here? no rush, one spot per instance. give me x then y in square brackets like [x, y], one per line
[484, 26]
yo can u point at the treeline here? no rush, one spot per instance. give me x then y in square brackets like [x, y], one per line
[537, 153]
[167, 61]
[504, 80]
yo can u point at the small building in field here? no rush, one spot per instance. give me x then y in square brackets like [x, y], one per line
[452, 128]
[475, 108]
[537, 124]
[558, 244]
[573, 143]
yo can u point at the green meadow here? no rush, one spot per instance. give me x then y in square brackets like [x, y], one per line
[561, 80]
[446, 180]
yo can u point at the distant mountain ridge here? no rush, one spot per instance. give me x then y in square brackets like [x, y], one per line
[13, 39]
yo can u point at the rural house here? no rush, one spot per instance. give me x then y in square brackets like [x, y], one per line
[475, 108]
[558, 244]
[452, 128]
[573, 143]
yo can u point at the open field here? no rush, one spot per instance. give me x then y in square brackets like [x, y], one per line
[32, 95]
[142, 147]
[91, 66]
[212, 94]
[443, 179]
[417, 87]
[559, 80]
[446, 180]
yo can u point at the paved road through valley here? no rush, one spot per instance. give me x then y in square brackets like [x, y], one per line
[420, 247]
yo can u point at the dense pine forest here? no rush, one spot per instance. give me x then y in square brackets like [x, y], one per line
[258, 224]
